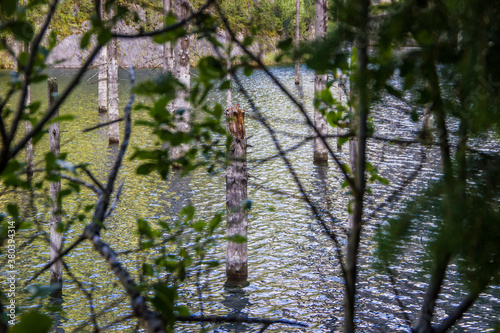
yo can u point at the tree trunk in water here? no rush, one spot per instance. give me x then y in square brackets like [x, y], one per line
[320, 150]
[361, 119]
[114, 129]
[168, 57]
[297, 36]
[29, 145]
[55, 187]
[102, 81]
[229, 94]
[340, 99]
[236, 194]
[182, 71]
[353, 150]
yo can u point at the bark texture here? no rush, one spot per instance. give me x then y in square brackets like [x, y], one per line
[55, 188]
[236, 194]
[297, 36]
[168, 56]
[320, 150]
[114, 135]
[182, 73]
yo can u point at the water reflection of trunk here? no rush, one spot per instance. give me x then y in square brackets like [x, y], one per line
[236, 300]
[112, 153]
[180, 192]
[321, 175]
[57, 318]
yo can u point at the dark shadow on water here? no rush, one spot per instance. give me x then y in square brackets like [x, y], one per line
[180, 190]
[320, 183]
[56, 301]
[236, 300]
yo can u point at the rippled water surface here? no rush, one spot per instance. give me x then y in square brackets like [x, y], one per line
[293, 272]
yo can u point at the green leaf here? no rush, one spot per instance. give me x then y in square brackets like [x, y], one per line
[22, 31]
[237, 239]
[104, 36]
[8, 7]
[248, 70]
[66, 117]
[146, 168]
[13, 211]
[247, 41]
[85, 41]
[33, 322]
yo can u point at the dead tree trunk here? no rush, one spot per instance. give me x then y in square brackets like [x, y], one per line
[236, 195]
[55, 187]
[353, 151]
[114, 129]
[29, 146]
[182, 73]
[102, 81]
[320, 150]
[228, 54]
[168, 56]
[297, 36]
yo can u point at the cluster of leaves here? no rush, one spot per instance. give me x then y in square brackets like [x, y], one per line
[180, 244]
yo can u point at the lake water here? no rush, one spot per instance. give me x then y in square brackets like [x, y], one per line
[293, 272]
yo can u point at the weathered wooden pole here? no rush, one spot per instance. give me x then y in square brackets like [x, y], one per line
[55, 187]
[236, 195]
[114, 129]
[297, 36]
[183, 74]
[320, 150]
[168, 56]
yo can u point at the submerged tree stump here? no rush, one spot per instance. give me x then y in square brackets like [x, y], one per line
[320, 149]
[102, 81]
[182, 72]
[236, 196]
[55, 188]
[297, 37]
[114, 129]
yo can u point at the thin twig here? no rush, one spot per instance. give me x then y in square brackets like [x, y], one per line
[102, 125]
